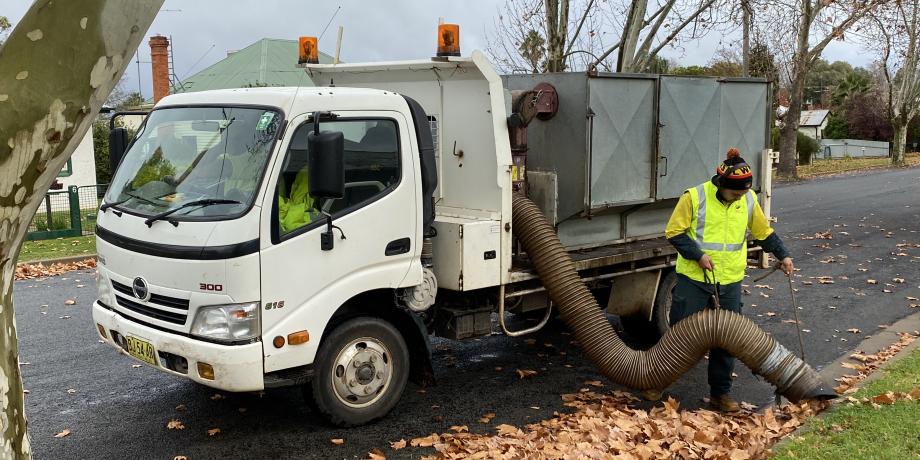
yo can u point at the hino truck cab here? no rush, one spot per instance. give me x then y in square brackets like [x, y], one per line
[253, 238]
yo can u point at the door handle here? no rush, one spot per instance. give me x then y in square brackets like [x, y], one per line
[665, 173]
[396, 247]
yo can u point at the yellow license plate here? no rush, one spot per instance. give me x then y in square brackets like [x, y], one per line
[142, 350]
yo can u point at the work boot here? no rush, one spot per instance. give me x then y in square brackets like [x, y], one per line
[724, 403]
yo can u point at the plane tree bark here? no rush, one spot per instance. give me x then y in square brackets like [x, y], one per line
[57, 67]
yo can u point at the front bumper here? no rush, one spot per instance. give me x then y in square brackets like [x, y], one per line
[236, 367]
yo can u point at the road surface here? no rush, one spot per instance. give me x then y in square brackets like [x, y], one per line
[114, 410]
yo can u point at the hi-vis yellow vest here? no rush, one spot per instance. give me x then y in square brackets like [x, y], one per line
[721, 232]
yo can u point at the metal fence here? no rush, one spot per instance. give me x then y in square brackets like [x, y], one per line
[842, 148]
[67, 213]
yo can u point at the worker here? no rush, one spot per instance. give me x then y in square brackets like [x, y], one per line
[295, 209]
[709, 229]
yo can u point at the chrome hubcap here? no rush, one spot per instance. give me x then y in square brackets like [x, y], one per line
[362, 372]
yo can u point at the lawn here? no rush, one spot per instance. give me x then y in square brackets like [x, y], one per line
[57, 248]
[864, 430]
[822, 166]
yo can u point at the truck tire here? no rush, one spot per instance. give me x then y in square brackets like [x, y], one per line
[361, 370]
[642, 333]
[662, 314]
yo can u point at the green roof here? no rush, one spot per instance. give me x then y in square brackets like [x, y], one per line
[267, 62]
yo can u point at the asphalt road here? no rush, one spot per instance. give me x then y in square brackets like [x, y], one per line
[114, 410]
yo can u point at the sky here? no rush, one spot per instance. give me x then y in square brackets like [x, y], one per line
[204, 30]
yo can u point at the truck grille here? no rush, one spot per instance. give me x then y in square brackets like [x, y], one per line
[150, 309]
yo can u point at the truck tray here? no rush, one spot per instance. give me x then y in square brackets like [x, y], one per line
[602, 256]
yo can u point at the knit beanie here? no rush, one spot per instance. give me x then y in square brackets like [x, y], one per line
[734, 173]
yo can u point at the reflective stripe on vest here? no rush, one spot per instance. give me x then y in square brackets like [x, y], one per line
[724, 239]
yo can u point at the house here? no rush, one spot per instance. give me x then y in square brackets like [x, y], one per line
[813, 122]
[267, 62]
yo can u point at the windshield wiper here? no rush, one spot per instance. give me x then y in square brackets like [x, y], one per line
[130, 196]
[205, 202]
[113, 204]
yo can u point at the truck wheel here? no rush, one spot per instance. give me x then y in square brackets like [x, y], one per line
[641, 332]
[662, 314]
[361, 372]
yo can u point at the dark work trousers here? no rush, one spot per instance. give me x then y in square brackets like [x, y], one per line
[692, 296]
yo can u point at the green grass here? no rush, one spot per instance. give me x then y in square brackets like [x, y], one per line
[821, 167]
[57, 248]
[60, 220]
[862, 431]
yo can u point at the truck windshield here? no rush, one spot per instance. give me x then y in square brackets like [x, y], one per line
[196, 153]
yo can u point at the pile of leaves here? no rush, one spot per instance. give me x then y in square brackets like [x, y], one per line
[39, 270]
[606, 426]
[870, 363]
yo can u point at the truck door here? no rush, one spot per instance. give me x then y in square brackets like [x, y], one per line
[303, 285]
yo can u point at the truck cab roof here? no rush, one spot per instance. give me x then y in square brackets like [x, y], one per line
[292, 100]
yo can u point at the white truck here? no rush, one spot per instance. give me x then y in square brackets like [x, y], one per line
[318, 236]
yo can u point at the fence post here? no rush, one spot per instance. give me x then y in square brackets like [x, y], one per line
[76, 220]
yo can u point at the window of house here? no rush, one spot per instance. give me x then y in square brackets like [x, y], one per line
[67, 170]
[371, 169]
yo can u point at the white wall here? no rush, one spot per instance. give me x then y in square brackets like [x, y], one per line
[84, 164]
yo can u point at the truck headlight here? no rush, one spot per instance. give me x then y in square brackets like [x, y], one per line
[228, 322]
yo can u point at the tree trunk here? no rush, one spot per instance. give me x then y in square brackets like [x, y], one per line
[56, 69]
[630, 38]
[788, 149]
[557, 26]
[788, 145]
[898, 142]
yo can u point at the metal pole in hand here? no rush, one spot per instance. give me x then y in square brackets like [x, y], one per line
[795, 314]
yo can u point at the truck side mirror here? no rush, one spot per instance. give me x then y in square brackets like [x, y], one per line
[118, 143]
[326, 165]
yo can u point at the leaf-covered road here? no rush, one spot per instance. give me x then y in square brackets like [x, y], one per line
[117, 410]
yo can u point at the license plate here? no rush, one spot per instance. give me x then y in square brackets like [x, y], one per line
[142, 350]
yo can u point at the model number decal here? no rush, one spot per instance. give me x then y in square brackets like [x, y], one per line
[274, 305]
[211, 287]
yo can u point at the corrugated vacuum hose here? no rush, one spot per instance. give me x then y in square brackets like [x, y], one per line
[678, 350]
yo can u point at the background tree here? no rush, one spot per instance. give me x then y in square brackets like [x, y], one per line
[897, 27]
[622, 35]
[814, 24]
[4, 26]
[821, 80]
[56, 69]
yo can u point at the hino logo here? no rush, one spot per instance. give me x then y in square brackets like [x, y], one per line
[139, 286]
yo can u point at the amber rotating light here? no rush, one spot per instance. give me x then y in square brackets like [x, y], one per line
[448, 40]
[308, 52]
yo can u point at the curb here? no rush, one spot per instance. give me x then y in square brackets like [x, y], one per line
[61, 260]
[872, 345]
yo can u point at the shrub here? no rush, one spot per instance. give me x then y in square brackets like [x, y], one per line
[805, 145]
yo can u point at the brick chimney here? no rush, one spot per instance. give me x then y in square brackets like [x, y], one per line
[159, 57]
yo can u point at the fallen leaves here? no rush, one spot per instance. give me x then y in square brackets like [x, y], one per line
[213, 431]
[525, 373]
[487, 417]
[854, 330]
[427, 441]
[606, 426]
[871, 281]
[870, 363]
[396, 445]
[63, 434]
[337, 441]
[33, 271]
[70, 302]
[175, 425]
